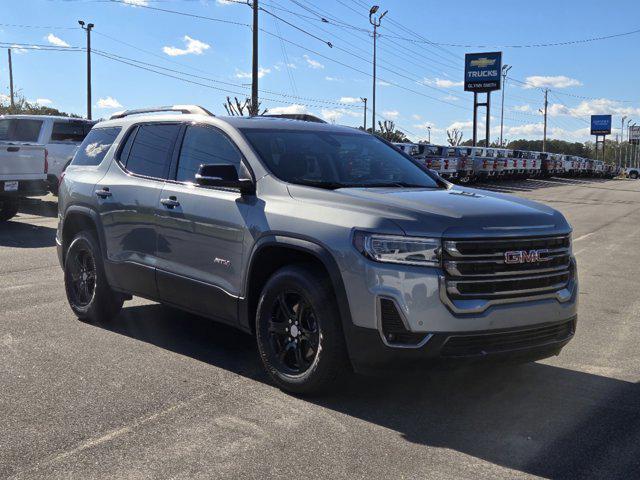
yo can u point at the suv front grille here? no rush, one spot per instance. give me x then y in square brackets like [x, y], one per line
[474, 345]
[479, 269]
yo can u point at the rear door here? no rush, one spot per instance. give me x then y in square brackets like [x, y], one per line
[202, 229]
[21, 157]
[127, 197]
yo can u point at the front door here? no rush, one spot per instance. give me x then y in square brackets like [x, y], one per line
[202, 230]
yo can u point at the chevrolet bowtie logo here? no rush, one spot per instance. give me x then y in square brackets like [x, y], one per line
[483, 62]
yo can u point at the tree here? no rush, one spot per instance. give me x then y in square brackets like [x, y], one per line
[24, 107]
[454, 137]
[388, 131]
[236, 108]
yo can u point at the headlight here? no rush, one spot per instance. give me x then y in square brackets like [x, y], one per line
[399, 249]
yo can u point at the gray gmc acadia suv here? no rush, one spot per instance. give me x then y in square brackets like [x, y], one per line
[336, 250]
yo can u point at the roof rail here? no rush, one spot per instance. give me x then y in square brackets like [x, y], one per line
[185, 109]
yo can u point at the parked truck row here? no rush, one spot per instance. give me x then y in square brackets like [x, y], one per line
[469, 164]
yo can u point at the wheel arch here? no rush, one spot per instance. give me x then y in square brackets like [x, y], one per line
[275, 251]
[78, 218]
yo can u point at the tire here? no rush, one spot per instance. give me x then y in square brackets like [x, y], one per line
[301, 345]
[88, 292]
[8, 208]
[633, 175]
[53, 185]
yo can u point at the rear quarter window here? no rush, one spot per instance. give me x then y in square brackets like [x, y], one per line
[95, 146]
[70, 132]
[19, 129]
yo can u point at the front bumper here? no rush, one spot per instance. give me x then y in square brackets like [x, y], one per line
[370, 355]
[431, 318]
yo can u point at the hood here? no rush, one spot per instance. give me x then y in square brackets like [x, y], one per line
[449, 212]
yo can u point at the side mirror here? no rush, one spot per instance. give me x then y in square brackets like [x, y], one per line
[223, 176]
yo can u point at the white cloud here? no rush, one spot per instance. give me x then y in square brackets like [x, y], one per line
[382, 83]
[441, 82]
[415, 116]
[599, 106]
[261, 73]
[192, 46]
[391, 114]
[463, 125]
[224, 2]
[350, 100]
[522, 108]
[293, 108]
[279, 65]
[331, 115]
[332, 79]
[425, 125]
[42, 101]
[313, 63]
[137, 3]
[530, 129]
[58, 42]
[451, 98]
[560, 81]
[18, 49]
[108, 102]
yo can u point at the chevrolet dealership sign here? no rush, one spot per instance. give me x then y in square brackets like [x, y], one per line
[482, 71]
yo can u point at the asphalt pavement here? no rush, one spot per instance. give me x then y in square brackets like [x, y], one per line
[164, 394]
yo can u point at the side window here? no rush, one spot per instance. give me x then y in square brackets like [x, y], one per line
[151, 150]
[71, 132]
[95, 146]
[205, 146]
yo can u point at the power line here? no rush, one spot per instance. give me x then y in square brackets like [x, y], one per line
[542, 45]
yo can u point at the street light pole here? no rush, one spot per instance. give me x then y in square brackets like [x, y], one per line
[429, 130]
[505, 70]
[546, 105]
[88, 28]
[375, 21]
[364, 119]
[254, 65]
[626, 150]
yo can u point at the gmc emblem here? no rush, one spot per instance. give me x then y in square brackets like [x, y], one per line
[524, 256]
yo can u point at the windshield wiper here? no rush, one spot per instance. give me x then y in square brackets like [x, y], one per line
[320, 184]
[393, 184]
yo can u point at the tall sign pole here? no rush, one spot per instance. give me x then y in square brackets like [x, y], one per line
[601, 127]
[482, 74]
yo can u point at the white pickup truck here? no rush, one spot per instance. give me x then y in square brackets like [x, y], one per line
[59, 135]
[23, 164]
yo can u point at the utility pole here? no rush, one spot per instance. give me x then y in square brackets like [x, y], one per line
[621, 142]
[11, 79]
[375, 21]
[364, 119]
[429, 130]
[546, 105]
[254, 65]
[505, 70]
[88, 28]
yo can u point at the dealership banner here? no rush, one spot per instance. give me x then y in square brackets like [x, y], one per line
[600, 124]
[482, 71]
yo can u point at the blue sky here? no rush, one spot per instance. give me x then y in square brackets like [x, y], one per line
[419, 83]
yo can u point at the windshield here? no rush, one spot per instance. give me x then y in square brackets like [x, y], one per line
[335, 159]
[19, 130]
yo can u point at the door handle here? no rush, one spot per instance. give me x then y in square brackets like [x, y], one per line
[104, 193]
[170, 202]
[13, 149]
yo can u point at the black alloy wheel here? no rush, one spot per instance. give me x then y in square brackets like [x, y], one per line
[82, 269]
[294, 333]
